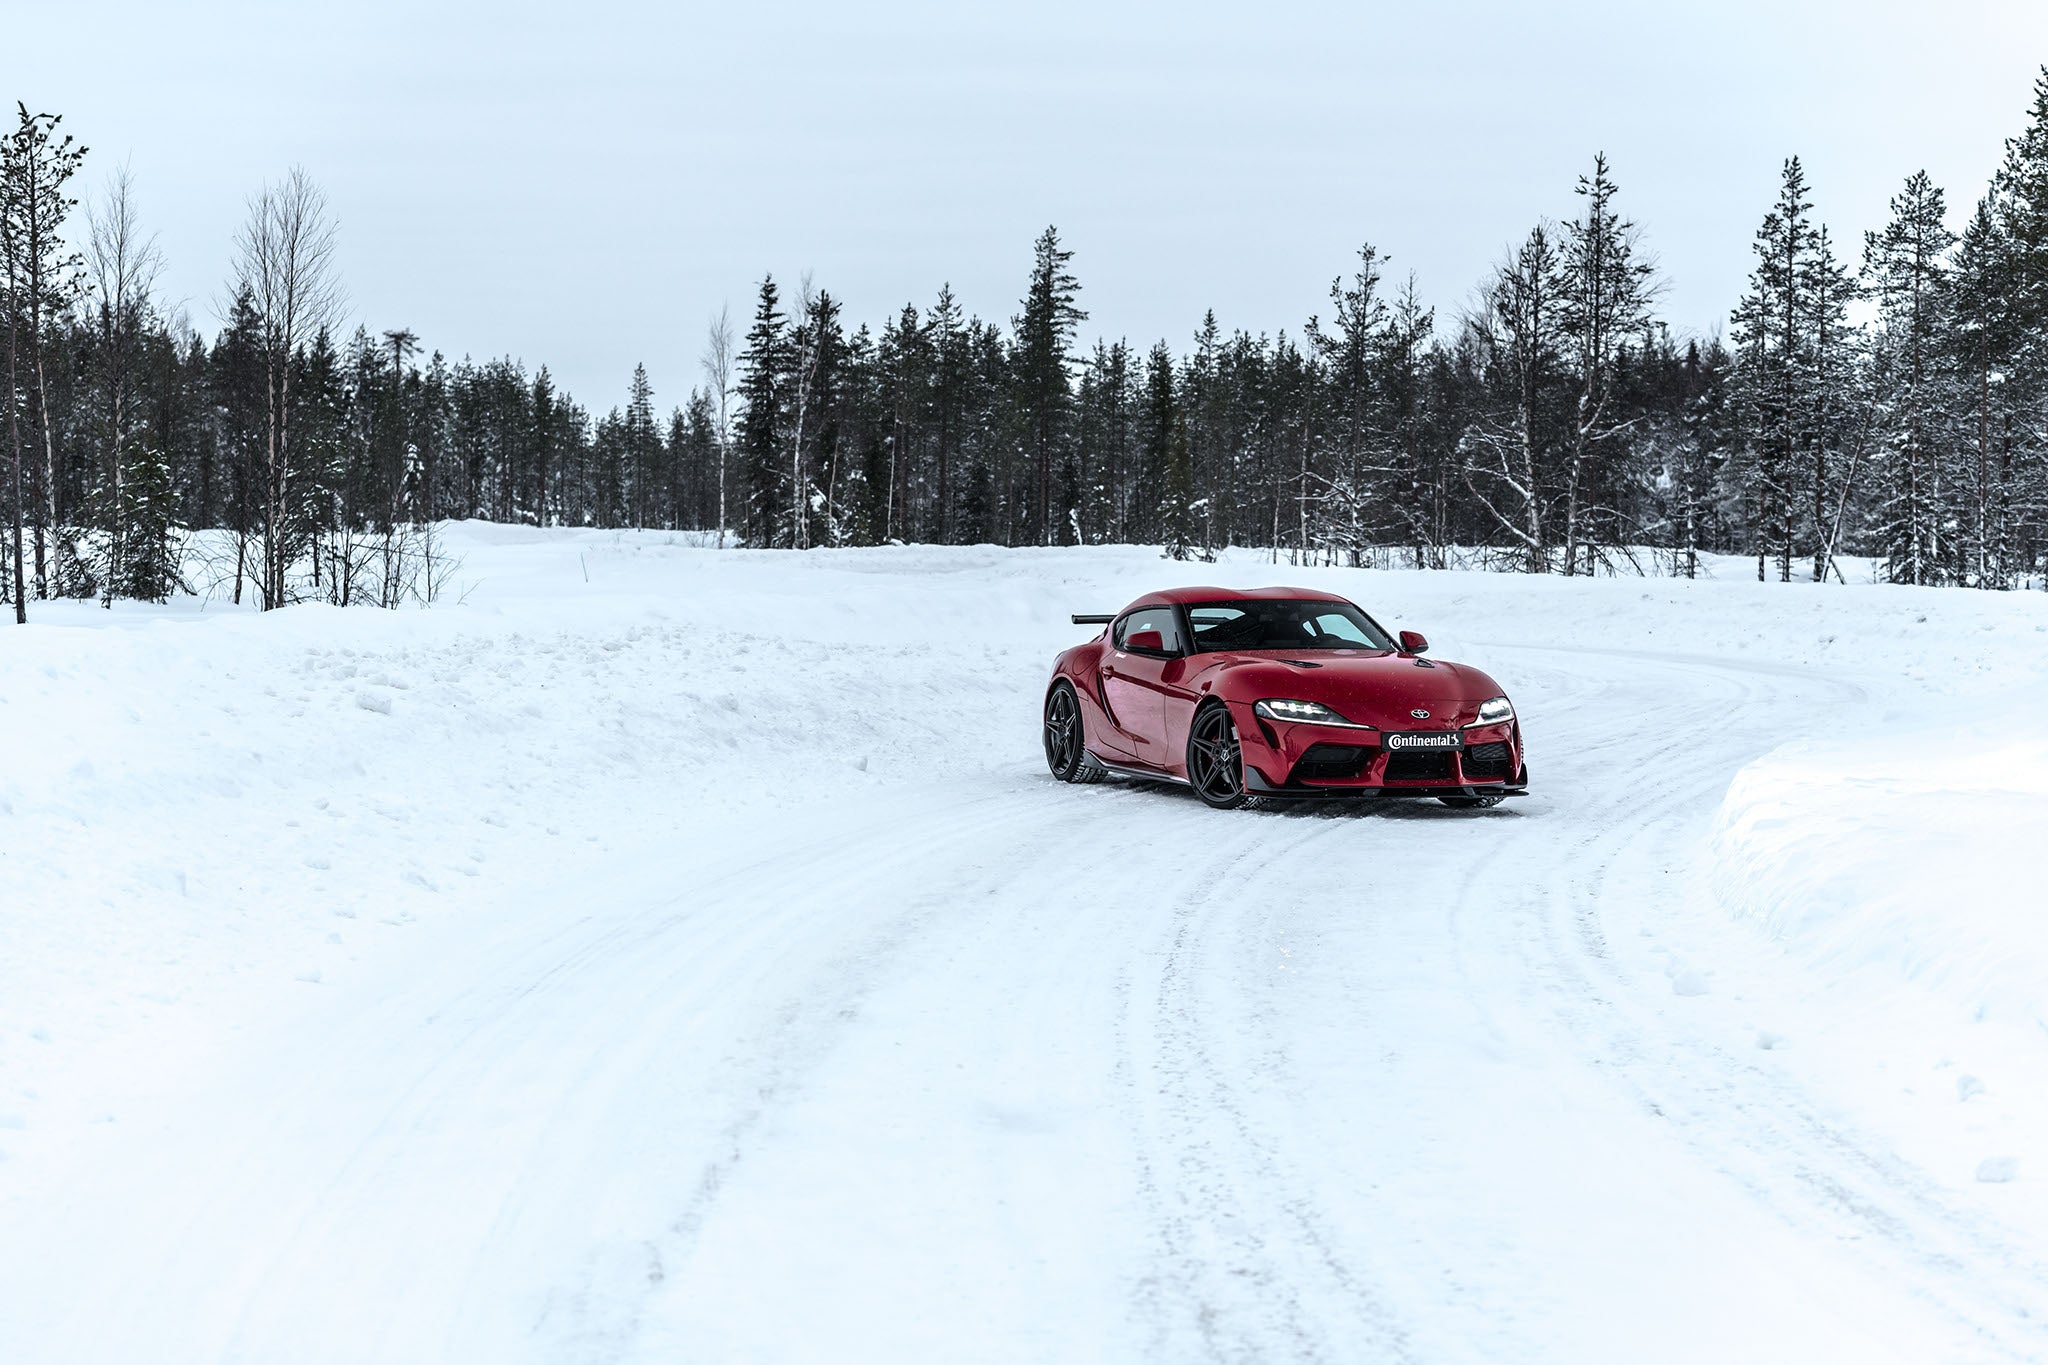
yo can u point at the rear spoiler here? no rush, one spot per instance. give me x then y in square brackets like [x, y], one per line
[1082, 618]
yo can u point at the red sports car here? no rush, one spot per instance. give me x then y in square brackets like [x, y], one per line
[1277, 692]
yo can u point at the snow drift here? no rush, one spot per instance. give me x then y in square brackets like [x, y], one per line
[1910, 852]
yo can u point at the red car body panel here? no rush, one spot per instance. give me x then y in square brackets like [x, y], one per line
[1136, 709]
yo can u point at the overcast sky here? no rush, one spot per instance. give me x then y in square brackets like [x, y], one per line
[584, 184]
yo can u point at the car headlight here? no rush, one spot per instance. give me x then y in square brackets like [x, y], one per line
[1495, 712]
[1296, 710]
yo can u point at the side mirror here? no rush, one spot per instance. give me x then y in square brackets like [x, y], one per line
[1146, 642]
[1414, 642]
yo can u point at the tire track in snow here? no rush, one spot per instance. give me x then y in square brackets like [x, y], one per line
[1234, 1255]
[546, 1052]
[1800, 1163]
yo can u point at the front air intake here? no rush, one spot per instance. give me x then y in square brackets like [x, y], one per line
[1332, 763]
[1418, 765]
[1489, 762]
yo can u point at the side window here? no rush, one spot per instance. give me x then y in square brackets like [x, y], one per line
[1161, 619]
[1215, 625]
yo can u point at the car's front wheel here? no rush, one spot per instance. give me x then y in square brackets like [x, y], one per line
[1215, 766]
[1066, 751]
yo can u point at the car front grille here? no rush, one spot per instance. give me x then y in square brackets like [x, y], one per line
[1418, 765]
[1489, 761]
[1332, 762]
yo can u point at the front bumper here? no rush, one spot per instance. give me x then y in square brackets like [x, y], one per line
[1305, 759]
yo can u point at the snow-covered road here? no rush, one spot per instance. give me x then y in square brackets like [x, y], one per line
[800, 1056]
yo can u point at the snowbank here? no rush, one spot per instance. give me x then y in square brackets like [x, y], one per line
[1908, 853]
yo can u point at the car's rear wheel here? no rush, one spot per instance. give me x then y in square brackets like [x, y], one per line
[1066, 750]
[1471, 802]
[1215, 765]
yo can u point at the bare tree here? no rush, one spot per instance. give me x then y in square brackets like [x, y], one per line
[123, 265]
[284, 259]
[1518, 330]
[717, 362]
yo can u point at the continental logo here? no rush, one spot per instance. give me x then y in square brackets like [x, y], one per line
[1448, 739]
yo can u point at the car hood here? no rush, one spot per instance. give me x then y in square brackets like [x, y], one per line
[1365, 687]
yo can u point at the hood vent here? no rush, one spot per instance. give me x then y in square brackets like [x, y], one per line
[1300, 663]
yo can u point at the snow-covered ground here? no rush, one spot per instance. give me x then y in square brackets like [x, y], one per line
[673, 955]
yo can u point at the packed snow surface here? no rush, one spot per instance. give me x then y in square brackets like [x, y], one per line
[654, 953]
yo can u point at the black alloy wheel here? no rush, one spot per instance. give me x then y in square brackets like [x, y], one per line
[1215, 766]
[1065, 753]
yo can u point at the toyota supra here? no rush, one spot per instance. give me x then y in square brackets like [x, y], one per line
[1275, 693]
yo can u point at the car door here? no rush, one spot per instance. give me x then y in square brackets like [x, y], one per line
[1136, 683]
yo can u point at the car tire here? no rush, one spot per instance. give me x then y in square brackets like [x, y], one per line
[1471, 802]
[1215, 765]
[1066, 737]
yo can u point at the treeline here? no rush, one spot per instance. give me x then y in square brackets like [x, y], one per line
[1888, 402]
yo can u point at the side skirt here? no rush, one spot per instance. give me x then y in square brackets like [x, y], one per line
[1141, 774]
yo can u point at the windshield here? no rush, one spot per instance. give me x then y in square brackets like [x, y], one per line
[1283, 625]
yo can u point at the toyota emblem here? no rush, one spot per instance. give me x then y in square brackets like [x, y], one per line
[1420, 715]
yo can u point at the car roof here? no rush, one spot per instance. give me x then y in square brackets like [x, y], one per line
[1183, 596]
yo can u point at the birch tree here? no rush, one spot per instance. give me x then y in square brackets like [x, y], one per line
[284, 263]
[123, 266]
[717, 363]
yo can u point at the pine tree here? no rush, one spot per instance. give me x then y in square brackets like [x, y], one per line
[1045, 330]
[1771, 329]
[1979, 344]
[1111, 372]
[1207, 411]
[1604, 297]
[1831, 417]
[1349, 352]
[1166, 452]
[1419, 470]
[148, 570]
[2022, 200]
[644, 453]
[611, 456]
[762, 365]
[42, 280]
[903, 362]
[693, 438]
[818, 357]
[236, 369]
[1701, 457]
[1905, 269]
[396, 452]
[950, 378]
[2020, 196]
[547, 433]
